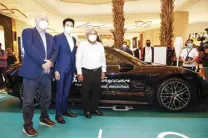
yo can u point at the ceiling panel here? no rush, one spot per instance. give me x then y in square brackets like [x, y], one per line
[131, 6]
[139, 10]
[91, 1]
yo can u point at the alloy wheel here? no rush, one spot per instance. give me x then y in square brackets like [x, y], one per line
[175, 95]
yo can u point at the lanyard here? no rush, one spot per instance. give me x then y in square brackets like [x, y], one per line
[188, 51]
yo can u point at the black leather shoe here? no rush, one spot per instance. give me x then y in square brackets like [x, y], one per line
[88, 115]
[69, 114]
[97, 112]
[60, 119]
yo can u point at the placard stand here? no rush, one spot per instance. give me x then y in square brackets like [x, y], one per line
[178, 45]
[160, 54]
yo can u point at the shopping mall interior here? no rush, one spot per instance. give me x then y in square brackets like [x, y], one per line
[139, 21]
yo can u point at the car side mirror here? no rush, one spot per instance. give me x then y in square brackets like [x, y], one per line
[124, 67]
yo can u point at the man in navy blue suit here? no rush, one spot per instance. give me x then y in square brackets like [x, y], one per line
[64, 69]
[39, 58]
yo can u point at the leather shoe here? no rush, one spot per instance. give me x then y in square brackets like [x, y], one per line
[47, 122]
[60, 119]
[97, 112]
[69, 114]
[30, 131]
[88, 115]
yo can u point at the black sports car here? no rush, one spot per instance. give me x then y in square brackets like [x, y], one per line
[131, 81]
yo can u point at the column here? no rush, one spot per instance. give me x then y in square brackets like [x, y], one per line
[180, 25]
[141, 40]
[15, 42]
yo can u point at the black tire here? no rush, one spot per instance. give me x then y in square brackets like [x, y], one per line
[175, 95]
[37, 99]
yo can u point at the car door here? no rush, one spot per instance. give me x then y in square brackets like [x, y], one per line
[121, 83]
[136, 82]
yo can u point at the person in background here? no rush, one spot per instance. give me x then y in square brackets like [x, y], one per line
[205, 61]
[36, 70]
[138, 52]
[200, 50]
[91, 68]
[64, 69]
[98, 39]
[148, 53]
[126, 49]
[170, 55]
[3, 66]
[189, 55]
[11, 58]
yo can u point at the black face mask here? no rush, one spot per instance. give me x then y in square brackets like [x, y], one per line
[148, 44]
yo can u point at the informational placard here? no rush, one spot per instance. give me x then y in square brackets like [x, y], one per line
[160, 55]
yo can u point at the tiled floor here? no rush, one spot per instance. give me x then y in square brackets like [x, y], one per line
[141, 123]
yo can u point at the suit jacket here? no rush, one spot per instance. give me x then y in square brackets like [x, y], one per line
[66, 57]
[34, 53]
[143, 54]
[137, 53]
[127, 50]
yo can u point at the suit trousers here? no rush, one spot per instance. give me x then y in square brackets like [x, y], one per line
[30, 89]
[63, 88]
[91, 89]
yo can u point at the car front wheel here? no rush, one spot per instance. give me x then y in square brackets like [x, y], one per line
[37, 98]
[174, 94]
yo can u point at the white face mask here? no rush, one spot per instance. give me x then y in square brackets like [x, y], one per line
[124, 45]
[92, 38]
[68, 30]
[190, 45]
[43, 24]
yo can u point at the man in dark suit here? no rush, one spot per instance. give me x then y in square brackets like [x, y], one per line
[126, 49]
[138, 53]
[39, 58]
[64, 69]
[148, 53]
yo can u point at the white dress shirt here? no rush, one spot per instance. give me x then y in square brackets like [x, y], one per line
[148, 54]
[70, 41]
[90, 56]
[193, 54]
[43, 37]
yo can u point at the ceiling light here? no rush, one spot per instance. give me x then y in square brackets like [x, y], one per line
[143, 24]
[131, 27]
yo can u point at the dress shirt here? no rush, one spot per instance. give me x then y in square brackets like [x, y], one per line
[148, 54]
[43, 37]
[90, 56]
[70, 41]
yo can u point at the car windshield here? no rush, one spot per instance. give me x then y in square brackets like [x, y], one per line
[136, 60]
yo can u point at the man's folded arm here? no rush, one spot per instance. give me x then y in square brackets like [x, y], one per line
[103, 60]
[79, 60]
